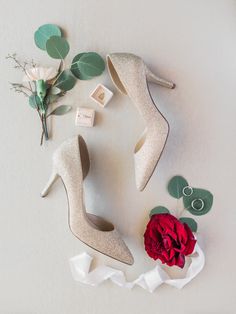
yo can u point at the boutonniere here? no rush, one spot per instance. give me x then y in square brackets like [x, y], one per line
[44, 86]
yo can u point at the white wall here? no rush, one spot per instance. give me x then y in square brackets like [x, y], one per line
[192, 43]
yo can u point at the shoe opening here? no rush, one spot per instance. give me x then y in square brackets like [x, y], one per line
[84, 156]
[115, 77]
[99, 223]
[140, 143]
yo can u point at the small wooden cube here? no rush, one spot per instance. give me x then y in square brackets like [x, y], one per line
[85, 117]
[101, 95]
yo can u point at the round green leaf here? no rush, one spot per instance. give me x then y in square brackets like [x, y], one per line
[34, 101]
[43, 33]
[91, 64]
[59, 111]
[54, 90]
[176, 185]
[75, 68]
[190, 222]
[57, 47]
[51, 99]
[159, 210]
[65, 81]
[204, 195]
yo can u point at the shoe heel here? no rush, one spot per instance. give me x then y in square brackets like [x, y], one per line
[53, 178]
[151, 77]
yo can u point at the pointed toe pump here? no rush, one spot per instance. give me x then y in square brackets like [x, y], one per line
[130, 75]
[71, 164]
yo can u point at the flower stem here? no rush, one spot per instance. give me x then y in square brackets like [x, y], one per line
[179, 210]
[41, 140]
[45, 128]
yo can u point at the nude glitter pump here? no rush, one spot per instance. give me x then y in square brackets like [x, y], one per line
[130, 75]
[71, 164]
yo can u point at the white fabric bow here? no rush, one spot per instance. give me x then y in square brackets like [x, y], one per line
[80, 268]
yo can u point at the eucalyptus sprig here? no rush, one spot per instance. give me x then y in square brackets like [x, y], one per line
[44, 86]
[196, 201]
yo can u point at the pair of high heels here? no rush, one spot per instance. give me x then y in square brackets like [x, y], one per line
[71, 160]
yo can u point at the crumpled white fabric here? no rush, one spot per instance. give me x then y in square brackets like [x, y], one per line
[80, 268]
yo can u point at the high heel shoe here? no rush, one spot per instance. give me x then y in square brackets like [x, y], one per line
[130, 75]
[71, 164]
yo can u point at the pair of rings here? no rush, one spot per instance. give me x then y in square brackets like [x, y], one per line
[197, 204]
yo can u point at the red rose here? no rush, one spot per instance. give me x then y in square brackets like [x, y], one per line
[168, 239]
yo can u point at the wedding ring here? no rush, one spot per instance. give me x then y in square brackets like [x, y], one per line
[189, 189]
[199, 201]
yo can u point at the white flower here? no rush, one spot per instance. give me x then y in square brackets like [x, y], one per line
[40, 73]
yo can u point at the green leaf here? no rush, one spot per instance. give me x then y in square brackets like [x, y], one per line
[190, 222]
[176, 185]
[75, 68]
[65, 80]
[51, 99]
[57, 47]
[90, 64]
[54, 90]
[159, 210]
[41, 88]
[34, 101]
[197, 194]
[43, 33]
[59, 111]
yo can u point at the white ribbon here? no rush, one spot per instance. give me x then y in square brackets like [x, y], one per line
[80, 268]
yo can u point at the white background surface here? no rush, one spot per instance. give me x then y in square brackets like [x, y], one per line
[192, 43]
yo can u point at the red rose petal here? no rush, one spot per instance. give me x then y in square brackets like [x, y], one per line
[167, 239]
[180, 261]
[191, 241]
[172, 262]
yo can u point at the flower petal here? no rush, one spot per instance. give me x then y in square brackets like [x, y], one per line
[180, 260]
[40, 73]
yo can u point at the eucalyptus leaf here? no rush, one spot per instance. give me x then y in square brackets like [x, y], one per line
[65, 80]
[61, 110]
[91, 64]
[57, 47]
[43, 33]
[198, 196]
[159, 210]
[190, 222]
[75, 68]
[51, 99]
[54, 90]
[176, 185]
[34, 101]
